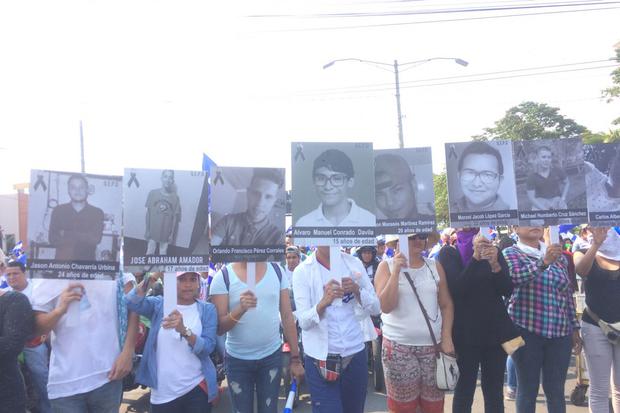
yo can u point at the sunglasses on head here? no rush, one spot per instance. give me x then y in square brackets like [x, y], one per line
[418, 236]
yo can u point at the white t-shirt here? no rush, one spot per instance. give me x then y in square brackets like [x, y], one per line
[83, 352]
[178, 368]
[345, 336]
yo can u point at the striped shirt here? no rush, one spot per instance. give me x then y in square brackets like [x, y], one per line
[542, 301]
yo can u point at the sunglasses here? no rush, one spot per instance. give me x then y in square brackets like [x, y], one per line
[418, 236]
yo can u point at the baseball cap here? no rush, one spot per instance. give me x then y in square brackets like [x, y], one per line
[390, 170]
[180, 273]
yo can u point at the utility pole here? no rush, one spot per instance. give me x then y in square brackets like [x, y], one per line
[401, 140]
[82, 147]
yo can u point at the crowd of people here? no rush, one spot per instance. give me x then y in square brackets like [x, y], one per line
[503, 305]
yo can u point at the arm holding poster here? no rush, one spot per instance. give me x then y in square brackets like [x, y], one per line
[386, 282]
[46, 321]
[138, 303]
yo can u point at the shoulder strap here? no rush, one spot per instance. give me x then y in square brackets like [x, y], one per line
[226, 278]
[426, 318]
[593, 315]
[278, 270]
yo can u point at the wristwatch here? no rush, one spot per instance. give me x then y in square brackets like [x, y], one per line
[187, 333]
[540, 263]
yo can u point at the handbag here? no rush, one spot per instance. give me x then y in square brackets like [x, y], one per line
[610, 330]
[447, 370]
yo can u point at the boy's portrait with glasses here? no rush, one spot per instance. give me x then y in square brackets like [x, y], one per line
[481, 180]
[334, 180]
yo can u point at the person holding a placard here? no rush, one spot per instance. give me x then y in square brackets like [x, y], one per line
[76, 228]
[92, 342]
[480, 173]
[543, 309]
[330, 312]
[396, 190]
[251, 320]
[409, 355]
[253, 226]
[176, 362]
[599, 266]
[478, 279]
[547, 186]
[163, 213]
[333, 177]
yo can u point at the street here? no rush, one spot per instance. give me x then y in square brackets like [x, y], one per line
[375, 401]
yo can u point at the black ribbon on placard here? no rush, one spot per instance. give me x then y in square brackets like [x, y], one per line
[452, 153]
[218, 177]
[40, 182]
[520, 151]
[300, 152]
[133, 180]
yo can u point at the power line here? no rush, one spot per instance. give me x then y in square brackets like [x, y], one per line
[370, 90]
[503, 16]
[465, 76]
[480, 9]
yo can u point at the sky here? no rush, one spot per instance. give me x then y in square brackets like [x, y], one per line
[156, 83]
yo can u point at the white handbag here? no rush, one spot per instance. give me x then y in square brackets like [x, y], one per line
[447, 372]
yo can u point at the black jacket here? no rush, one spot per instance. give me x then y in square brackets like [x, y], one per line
[480, 316]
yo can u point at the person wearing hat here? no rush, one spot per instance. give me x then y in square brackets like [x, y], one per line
[396, 190]
[334, 178]
[175, 362]
[409, 361]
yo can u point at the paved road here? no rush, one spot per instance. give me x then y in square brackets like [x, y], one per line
[375, 402]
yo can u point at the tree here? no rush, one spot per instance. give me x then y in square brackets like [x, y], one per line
[531, 120]
[440, 182]
[613, 92]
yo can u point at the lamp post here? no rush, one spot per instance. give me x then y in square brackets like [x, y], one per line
[395, 67]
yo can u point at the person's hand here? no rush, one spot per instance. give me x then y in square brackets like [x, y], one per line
[399, 262]
[73, 292]
[122, 366]
[247, 300]
[175, 321]
[480, 243]
[577, 342]
[553, 252]
[447, 346]
[350, 286]
[599, 235]
[332, 291]
[297, 370]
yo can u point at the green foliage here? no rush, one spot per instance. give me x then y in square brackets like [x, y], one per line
[613, 92]
[440, 182]
[531, 120]
[601, 137]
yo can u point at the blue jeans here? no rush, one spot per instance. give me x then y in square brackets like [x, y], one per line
[246, 376]
[196, 401]
[549, 355]
[511, 373]
[105, 399]
[345, 395]
[37, 361]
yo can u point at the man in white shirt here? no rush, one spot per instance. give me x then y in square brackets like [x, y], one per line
[89, 356]
[334, 177]
[35, 351]
[330, 311]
